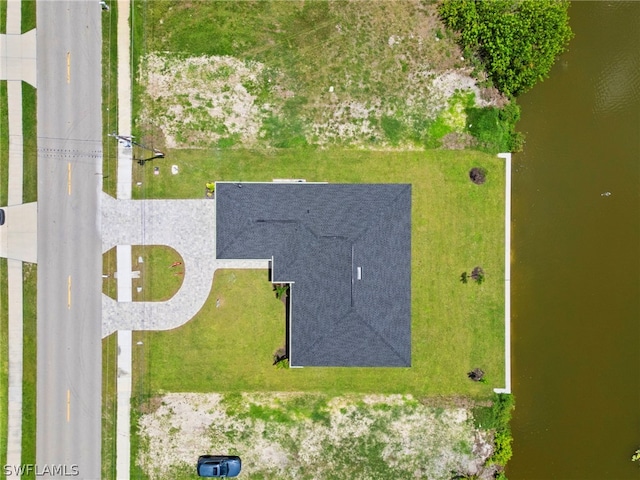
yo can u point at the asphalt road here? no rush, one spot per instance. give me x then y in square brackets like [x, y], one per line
[69, 239]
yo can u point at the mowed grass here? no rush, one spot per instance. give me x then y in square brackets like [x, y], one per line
[4, 311]
[4, 360]
[28, 13]
[109, 266]
[110, 98]
[3, 16]
[109, 404]
[4, 144]
[29, 371]
[456, 225]
[158, 278]
[30, 142]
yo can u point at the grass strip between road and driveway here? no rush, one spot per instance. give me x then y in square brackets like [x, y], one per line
[28, 13]
[161, 271]
[3, 16]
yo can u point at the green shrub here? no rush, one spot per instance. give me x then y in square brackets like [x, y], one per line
[497, 418]
[498, 415]
[516, 40]
[495, 128]
[502, 444]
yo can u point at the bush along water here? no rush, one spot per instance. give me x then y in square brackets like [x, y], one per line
[496, 418]
[516, 42]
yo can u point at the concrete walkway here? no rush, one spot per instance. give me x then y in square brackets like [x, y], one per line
[188, 226]
[124, 100]
[123, 250]
[14, 424]
[18, 235]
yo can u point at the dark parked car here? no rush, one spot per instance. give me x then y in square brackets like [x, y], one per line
[219, 466]
[1, 216]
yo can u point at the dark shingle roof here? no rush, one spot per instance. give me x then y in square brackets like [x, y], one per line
[319, 235]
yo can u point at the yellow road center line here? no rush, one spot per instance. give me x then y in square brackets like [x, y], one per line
[69, 292]
[68, 67]
[69, 178]
[68, 405]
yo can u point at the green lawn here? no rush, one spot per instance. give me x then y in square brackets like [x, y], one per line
[4, 360]
[456, 327]
[4, 144]
[110, 97]
[109, 403]
[28, 12]
[158, 279]
[3, 16]
[30, 143]
[109, 266]
[29, 372]
[4, 313]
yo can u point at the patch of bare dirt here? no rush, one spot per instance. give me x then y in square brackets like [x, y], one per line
[426, 441]
[458, 141]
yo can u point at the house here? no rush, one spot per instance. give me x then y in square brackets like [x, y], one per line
[345, 250]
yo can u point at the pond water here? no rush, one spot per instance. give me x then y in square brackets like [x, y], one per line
[576, 257]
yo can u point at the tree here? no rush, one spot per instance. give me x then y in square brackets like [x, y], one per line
[477, 375]
[517, 41]
[280, 289]
[478, 275]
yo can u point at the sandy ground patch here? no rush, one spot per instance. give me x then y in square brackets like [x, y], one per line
[198, 100]
[290, 436]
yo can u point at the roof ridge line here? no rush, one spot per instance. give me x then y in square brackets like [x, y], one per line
[379, 214]
[381, 337]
